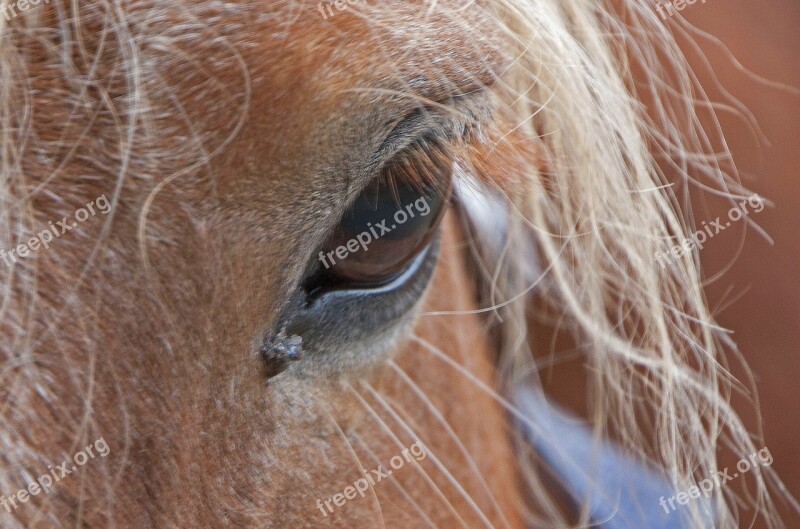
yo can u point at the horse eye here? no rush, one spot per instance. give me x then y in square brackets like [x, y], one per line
[391, 222]
[373, 269]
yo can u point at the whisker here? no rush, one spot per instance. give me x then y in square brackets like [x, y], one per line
[528, 422]
[397, 484]
[453, 481]
[399, 443]
[473, 378]
[358, 461]
[449, 429]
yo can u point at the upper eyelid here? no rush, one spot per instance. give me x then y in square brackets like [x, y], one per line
[446, 123]
[410, 129]
[429, 124]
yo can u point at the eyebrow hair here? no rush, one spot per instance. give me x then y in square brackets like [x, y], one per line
[424, 144]
[436, 121]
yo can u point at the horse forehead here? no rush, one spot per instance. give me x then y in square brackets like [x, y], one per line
[298, 54]
[318, 85]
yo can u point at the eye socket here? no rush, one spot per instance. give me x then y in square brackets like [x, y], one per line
[363, 284]
[390, 223]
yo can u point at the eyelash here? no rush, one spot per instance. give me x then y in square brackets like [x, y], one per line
[426, 163]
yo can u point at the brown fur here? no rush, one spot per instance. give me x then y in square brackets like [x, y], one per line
[156, 351]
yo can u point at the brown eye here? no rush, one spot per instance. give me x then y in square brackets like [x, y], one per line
[390, 222]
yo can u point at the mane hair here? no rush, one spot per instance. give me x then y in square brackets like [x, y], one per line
[597, 206]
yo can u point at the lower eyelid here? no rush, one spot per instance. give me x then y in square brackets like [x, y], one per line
[353, 324]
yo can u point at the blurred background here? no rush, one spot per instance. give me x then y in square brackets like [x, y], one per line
[759, 296]
[753, 286]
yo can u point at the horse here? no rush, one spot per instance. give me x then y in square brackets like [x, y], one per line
[272, 264]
